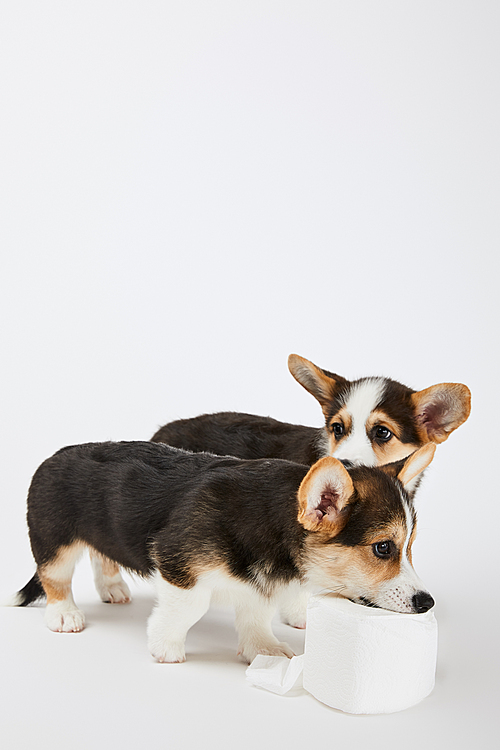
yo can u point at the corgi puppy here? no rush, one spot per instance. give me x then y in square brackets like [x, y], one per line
[204, 525]
[371, 422]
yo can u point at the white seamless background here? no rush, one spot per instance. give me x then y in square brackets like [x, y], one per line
[191, 191]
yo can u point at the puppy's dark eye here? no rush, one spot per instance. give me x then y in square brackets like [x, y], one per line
[383, 433]
[383, 549]
[338, 429]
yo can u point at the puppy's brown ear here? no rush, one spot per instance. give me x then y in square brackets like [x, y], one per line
[413, 465]
[440, 409]
[321, 383]
[323, 495]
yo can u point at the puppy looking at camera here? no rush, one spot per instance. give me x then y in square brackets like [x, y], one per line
[203, 525]
[371, 422]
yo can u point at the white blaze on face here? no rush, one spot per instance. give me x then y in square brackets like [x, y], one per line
[360, 403]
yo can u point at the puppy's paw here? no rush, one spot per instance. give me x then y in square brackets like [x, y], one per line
[115, 593]
[168, 653]
[299, 623]
[248, 652]
[281, 649]
[64, 621]
[293, 613]
[164, 646]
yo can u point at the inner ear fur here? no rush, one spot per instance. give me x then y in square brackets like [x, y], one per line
[408, 468]
[440, 409]
[320, 383]
[323, 496]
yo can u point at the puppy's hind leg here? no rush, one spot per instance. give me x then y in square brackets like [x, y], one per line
[61, 614]
[108, 580]
[176, 611]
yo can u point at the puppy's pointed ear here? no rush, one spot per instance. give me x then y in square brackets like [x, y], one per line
[322, 384]
[440, 409]
[408, 468]
[323, 495]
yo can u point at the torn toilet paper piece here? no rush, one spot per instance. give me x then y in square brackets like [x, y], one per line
[357, 659]
[279, 674]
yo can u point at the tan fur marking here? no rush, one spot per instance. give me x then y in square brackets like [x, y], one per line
[202, 562]
[210, 563]
[393, 450]
[353, 566]
[379, 417]
[393, 531]
[56, 575]
[410, 543]
[109, 567]
[56, 592]
[345, 418]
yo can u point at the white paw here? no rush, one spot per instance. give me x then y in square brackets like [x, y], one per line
[115, 593]
[248, 652]
[299, 622]
[60, 621]
[165, 647]
[168, 653]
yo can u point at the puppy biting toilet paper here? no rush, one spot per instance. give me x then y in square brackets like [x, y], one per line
[357, 659]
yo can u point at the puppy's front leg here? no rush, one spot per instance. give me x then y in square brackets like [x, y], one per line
[175, 612]
[254, 613]
[293, 605]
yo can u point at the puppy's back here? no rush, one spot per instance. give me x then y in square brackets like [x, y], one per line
[127, 500]
[246, 436]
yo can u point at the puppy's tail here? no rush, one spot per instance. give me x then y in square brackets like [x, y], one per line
[29, 594]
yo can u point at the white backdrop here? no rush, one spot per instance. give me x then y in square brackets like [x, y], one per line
[190, 192]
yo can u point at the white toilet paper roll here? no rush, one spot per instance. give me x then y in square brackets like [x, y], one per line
[358, 659]
[365, 660]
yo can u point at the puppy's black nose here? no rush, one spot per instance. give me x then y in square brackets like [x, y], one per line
[422, 601]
